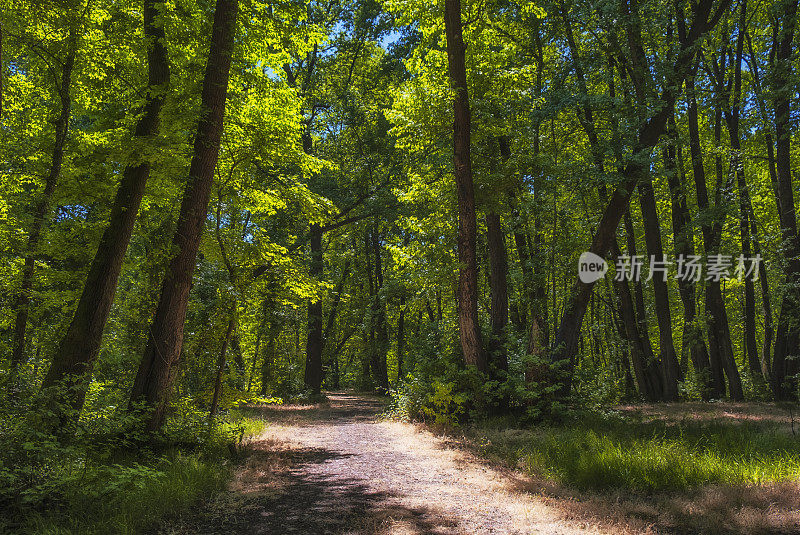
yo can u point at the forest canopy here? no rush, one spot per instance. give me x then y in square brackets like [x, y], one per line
[207, 204]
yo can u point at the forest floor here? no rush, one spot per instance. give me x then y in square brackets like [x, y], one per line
[337, 468]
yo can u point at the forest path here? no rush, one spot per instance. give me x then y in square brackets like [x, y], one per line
[335, 468]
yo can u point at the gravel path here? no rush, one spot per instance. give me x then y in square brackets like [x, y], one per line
[336, 469]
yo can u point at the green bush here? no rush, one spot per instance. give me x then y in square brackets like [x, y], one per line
[102, 474]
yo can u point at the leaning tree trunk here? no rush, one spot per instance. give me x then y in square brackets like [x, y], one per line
[469, 328]
[80, 345]
[566, 342]
[42, 206]
[165, 336]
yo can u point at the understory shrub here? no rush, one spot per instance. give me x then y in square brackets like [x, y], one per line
[102, 474]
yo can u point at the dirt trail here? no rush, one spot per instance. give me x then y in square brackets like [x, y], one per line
[336, 469]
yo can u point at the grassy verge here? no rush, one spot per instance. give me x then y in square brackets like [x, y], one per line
[725, 471]
[131, 492]
[601, 453]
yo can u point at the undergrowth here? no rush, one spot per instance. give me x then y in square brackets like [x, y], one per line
[105, 476]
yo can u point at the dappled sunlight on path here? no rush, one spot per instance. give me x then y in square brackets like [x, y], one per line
[335, 468]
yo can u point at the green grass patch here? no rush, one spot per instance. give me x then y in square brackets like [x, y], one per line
[130, 499]
[616, 453]
[102, 484]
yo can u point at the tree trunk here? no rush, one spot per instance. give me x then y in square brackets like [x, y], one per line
[698, 171]
[80, 345]
[693, 343]
[268, 366]
[165, 337]
[337, 298]
[652, 236]
[469, 328]
[498, 276]
[732, 116]
[401, 335]
[221, 368]
[653, 376]
[313, 372]
[784, 367]
[381, 345]
[42, 205]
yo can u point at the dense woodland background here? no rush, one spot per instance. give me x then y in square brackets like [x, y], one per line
[211, 203]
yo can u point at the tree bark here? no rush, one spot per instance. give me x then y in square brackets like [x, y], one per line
[221, 368]
[80, 345]
[653, 378]
[165, 337]
[337, 298]
[732, 119]
[787, 337]
[693, 343]
[42, 206]
[469, 328]
[401, 335]
[313, 371]
[380, 335]
[498, 280]
[708, 233]
[670, 367]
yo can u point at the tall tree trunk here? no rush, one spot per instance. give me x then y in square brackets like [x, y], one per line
[715, 301]
[381, 345]
[565, 344]
[644, 362]
[165, 337]
[652, 237]
[268, 366]
[80, 345]
[221, 367]
[654, 378]
[732, 116]
[401, 335]
[42, 206]
[469, 328]
[787, 337]
[693, 343]
[766, 307]
[313, 371]
[337, 298]
[498, 281]
[698, 171]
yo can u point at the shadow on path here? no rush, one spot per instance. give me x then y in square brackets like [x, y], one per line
[296, 499]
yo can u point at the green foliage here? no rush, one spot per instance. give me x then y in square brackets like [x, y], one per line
[445, 405]
[105, 476]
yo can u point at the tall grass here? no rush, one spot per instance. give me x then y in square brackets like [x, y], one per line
[647, 457]
[175, 485]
